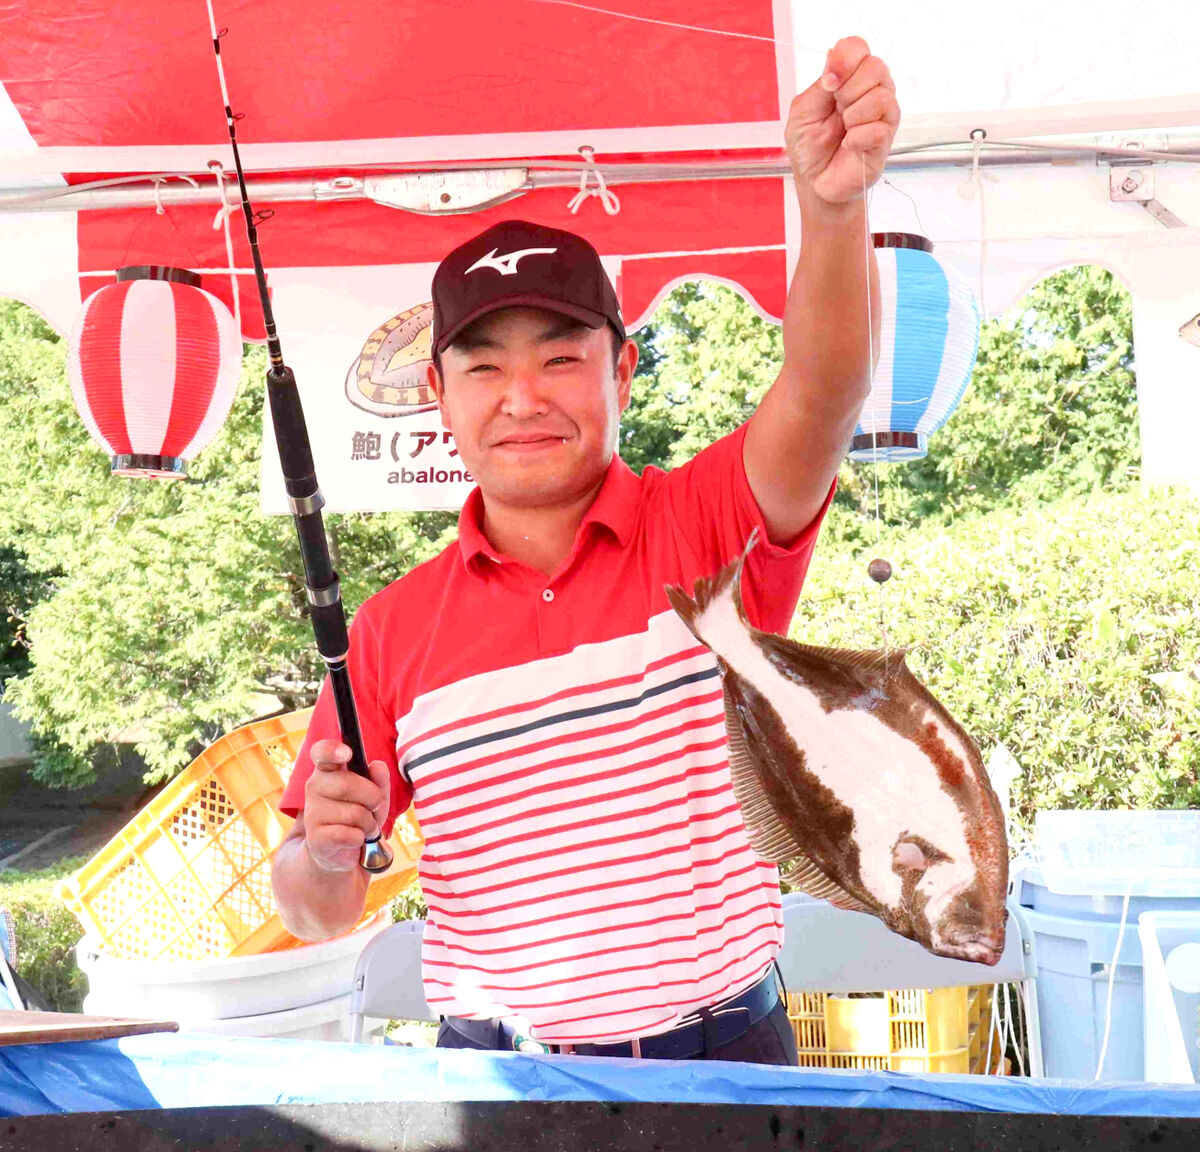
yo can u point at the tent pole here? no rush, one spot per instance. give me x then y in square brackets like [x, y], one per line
[360, 184]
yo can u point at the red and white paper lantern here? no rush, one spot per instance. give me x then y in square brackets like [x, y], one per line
[154, 366]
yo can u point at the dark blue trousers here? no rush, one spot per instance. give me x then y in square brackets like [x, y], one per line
[770, 1041]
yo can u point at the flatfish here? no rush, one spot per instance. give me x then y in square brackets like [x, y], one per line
[850, 773]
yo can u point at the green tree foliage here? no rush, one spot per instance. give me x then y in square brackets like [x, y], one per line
[1051, 408]
[19, 590]
[711, 358]
[172, 606]
[1003, 540]
[1087, 670]
[165, 608]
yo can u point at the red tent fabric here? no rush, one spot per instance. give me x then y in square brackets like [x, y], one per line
[133, 88]
[358, 91]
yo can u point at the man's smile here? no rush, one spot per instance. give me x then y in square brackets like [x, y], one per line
[525, 442]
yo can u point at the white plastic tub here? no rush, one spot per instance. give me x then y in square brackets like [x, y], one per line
[1107, 853]
[1171, 957]
[240, 986]
[325, 1020]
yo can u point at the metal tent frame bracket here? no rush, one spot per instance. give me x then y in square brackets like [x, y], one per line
[448, 192]
[1132, 181]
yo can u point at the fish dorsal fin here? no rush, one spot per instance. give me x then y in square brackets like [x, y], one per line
[888, 664]
[802, 873]
[769, 836]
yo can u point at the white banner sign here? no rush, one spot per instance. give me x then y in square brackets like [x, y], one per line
[359, 355]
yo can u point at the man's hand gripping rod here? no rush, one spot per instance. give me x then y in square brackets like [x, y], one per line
[304, 498]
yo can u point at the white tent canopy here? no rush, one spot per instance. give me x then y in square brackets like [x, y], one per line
[1070, 74]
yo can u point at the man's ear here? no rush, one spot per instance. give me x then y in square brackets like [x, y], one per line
[433, 378]
[626, 367]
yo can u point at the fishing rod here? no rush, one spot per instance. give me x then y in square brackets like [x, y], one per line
[303, 494]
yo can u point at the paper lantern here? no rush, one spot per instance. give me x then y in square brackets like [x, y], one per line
[154, 365]
[930, 337]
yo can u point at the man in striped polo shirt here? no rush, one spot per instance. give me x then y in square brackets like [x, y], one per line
[590, 883]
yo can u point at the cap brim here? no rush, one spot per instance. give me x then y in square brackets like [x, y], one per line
[583, 315]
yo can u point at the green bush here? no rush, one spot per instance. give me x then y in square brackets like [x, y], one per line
[1070, 632]
[212, 612]
[410, 904]
[46, 933]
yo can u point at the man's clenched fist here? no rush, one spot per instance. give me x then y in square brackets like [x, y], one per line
[341, 809]
[843, 123]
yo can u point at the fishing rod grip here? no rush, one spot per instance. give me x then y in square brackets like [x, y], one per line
[321, 582]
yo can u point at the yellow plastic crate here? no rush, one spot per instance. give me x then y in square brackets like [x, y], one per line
[979, 1018]
[908, 1030]
[189, 877]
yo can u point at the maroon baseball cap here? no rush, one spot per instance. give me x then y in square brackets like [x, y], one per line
[517, 264]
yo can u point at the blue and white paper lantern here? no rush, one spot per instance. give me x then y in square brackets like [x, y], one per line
[929, 339]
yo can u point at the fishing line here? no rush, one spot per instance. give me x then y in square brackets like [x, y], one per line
[880, 579]
[674, 24]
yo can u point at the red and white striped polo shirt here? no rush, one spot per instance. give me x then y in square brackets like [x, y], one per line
[586, 867]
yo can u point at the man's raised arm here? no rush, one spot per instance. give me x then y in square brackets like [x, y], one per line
[798, 436]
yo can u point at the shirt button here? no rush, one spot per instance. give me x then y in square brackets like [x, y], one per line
[547, 595]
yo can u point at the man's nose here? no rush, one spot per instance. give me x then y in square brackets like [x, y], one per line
[524, 396]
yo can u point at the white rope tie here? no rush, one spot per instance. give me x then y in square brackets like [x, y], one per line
[973, 186]
[612, 205]
[226, 209]
[221, 220]
[158, 182]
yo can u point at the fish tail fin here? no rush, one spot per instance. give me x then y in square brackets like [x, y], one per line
[686, 608]
[708, 589]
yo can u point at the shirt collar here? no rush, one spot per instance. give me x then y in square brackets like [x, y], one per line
[615, 507]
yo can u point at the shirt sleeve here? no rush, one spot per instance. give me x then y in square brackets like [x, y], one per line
[375, 720]
[713, 511]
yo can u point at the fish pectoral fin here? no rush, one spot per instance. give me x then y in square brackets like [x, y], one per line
[802, 873]
[769, 836]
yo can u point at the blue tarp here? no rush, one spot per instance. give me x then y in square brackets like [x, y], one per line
[195, 1070]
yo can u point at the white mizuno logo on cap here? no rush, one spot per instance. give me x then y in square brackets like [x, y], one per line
[506, 265]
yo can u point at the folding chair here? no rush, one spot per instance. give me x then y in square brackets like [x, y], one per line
[827, 949]
[10, 994]
[387, 979]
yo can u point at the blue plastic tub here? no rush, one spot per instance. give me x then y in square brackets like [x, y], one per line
[1073, 938]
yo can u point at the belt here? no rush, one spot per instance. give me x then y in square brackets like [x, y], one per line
[697, 1034]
